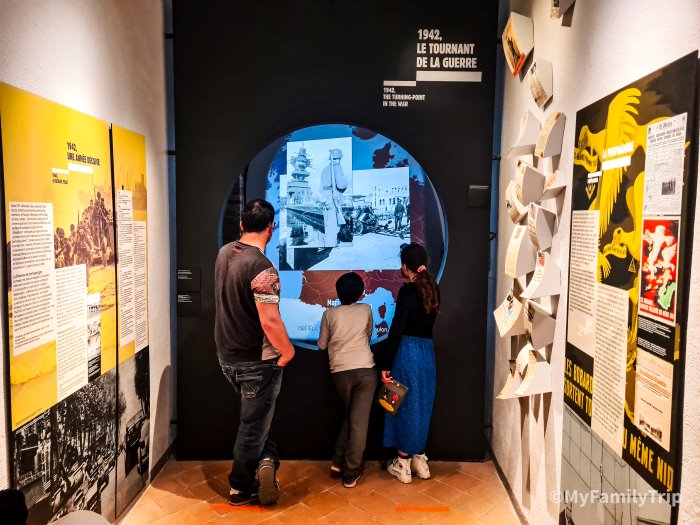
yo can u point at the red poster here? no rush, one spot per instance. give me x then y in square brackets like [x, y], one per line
[659, 268]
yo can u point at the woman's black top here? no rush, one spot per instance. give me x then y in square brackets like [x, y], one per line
[411, 319]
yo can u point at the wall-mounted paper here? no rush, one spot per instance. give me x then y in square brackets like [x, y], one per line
[513, 380]
[653, 395]
[538, 375]
[539, 325]
[527, 135]
[540, 225]
[529, 183]
[559, 7]
[540, 81]
[520, 257]
[553, 184]
[551, 135]
[510, 316]
[518, 41]
[516, 209]
[546, 279]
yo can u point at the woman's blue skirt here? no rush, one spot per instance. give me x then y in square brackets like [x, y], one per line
[414, 367]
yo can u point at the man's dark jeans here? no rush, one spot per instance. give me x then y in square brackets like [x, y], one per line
[258, 383]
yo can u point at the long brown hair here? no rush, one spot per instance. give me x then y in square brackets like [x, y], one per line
[415, 258]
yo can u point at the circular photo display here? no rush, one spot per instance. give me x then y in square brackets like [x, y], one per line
[346, 199]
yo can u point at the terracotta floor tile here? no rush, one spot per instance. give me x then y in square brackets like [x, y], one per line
[442, 492]
[193, 493]
[172, 503]
[146, 513]
[374, 503]
[350, 514]
[461, 481]
[481, 470]
[440, 469]
[325, 503]
[474, 505]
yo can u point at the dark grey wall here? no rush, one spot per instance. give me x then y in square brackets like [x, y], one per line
[246, 73]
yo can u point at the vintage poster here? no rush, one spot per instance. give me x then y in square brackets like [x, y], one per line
[58, 198]
[624, 334]
[659, 269]
[663, 169]
[653, 397]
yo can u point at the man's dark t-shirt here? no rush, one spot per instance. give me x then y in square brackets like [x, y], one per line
[243, 276]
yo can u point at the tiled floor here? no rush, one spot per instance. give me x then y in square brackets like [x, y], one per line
[194, 492]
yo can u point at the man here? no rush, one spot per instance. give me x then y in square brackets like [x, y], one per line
[333, 184]
[398, 214]
[252, 347]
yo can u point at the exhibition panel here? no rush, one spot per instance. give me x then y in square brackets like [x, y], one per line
[79, 407]
[406, 84]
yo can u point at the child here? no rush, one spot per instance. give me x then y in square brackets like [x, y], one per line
[345, 333]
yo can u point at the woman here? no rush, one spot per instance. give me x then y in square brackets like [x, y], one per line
[407, 356]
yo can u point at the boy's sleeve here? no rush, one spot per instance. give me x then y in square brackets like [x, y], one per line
[370, 322]
[324, 334]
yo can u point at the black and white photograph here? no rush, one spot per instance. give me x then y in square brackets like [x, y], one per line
[64, 459]
[134, 428]
[316, 194]
[94, 336]
[378, 219]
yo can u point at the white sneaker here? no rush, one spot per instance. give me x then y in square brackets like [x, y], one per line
[401, 469]
[419, 465]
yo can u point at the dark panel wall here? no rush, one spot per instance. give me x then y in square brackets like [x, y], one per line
[247, 72]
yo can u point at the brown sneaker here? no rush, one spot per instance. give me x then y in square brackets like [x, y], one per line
[268, 489]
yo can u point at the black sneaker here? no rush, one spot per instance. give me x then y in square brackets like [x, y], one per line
[336, 472]
[349, 482]
[268, 489]
[242, 498]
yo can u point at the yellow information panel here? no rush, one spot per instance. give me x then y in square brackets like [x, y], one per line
[60, 250]
[129, 150]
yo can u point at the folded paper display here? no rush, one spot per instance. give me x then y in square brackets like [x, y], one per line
[527, 136]
[516, 209]
[546, 279]
[529, 183]
[510, 316]
[553, 185]
[513, 380]
[536, 372]
[539, 325]
[520, 257]
[550, 137]
[540, 81]
[518, 41]
[559, 7]
[540, 225]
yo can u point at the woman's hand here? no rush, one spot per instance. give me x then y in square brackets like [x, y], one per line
[386, 377]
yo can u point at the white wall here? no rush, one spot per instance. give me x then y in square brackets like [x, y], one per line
[607, 45]
[105, 58]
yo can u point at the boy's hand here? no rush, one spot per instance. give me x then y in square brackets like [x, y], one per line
[386, 377]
